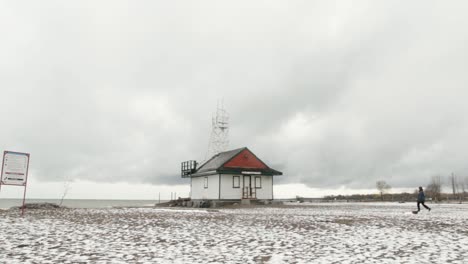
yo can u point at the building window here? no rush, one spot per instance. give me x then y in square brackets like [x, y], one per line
[206, 183]
[236, 182]
[258, 182]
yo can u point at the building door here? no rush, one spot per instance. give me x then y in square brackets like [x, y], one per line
[248, 190]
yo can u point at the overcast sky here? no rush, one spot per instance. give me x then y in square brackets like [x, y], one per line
[334, 94]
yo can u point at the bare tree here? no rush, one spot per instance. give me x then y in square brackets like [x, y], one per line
[66, 188]
[454, 185]
[461, 185]
[383, 187]
[434, 188]
[458, 187]
[464, 185]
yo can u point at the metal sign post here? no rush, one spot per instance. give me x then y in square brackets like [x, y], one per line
[15, 169]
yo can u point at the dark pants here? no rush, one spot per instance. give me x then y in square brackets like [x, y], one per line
[425, 206]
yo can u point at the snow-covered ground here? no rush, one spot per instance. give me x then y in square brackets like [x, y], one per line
[312, 233]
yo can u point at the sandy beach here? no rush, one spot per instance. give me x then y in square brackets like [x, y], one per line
[305, 233]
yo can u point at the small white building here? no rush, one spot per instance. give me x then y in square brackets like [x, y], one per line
[231, 175]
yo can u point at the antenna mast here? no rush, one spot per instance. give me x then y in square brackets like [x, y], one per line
[219, 139]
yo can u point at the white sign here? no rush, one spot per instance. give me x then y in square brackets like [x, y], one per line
[15, 168]
[252, 172]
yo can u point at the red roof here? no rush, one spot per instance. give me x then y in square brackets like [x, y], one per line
[245, 160]
[235, 161]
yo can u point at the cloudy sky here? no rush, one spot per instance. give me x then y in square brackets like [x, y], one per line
[114, 95]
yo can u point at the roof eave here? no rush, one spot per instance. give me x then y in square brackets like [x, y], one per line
[267, 172]
[206, 173]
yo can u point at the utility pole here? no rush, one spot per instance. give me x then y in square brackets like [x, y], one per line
[453, 185]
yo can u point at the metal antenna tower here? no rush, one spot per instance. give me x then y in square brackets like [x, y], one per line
[219, 139]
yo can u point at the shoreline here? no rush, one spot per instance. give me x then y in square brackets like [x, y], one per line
[314, 233]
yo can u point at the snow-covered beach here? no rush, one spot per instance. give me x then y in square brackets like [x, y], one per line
[306, 233]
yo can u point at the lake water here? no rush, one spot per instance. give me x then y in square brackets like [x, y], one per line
[80, 203]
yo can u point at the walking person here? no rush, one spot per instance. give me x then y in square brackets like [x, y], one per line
[421, 199]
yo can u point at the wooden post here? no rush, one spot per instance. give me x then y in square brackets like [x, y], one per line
[24, 199]
[1, 174]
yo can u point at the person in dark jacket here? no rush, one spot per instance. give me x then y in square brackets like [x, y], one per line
[421, 199]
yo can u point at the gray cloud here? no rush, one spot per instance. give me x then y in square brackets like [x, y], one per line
[333, 94]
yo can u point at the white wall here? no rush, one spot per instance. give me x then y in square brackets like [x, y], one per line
[228, 192]
[200, 192]
[266, 192]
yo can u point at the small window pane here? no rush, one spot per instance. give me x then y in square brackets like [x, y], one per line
[236, 182]
[206, 182]
[258, 182]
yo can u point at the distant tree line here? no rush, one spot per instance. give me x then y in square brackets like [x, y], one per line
[459, 186]
[433, 191]
[373, 197]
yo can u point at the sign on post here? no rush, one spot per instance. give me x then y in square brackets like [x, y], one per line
[15, 168]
